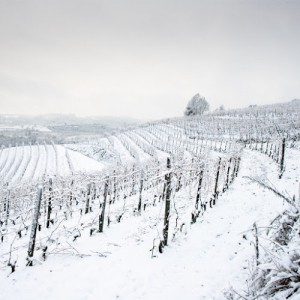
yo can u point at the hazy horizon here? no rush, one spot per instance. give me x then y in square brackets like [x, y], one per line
[124, 117]
[146, 59]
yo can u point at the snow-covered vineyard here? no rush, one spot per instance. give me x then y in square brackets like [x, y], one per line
[35, 162]
[177, 199]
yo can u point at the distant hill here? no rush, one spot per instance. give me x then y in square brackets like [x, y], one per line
[59, 128]
[57, 119]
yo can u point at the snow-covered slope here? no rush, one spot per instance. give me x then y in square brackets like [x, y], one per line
[201, 262]
[164, 211]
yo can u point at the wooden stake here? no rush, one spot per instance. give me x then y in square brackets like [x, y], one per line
[34, 226]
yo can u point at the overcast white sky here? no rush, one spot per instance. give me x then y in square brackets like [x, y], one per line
[146, 59]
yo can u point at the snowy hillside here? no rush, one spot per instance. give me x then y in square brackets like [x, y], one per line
[180, 208]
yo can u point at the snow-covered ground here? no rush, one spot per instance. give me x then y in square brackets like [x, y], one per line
[202, 262]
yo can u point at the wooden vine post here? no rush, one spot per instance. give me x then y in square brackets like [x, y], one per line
[237, 166]
[34, 226]
[167, 203]
[282, 158]
[141, 191]
[227, 176]
[87, 203]
[196, 213]
[115, 186]
[71, 193]
[102, 215]
[49, 204]
[133, 182]
[7, 206]
[199, 189]
[216, 192]
[256, 243]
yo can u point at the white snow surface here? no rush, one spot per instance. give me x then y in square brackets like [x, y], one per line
[201, 263]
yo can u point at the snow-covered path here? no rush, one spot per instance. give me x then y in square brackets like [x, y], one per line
[201, 264]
